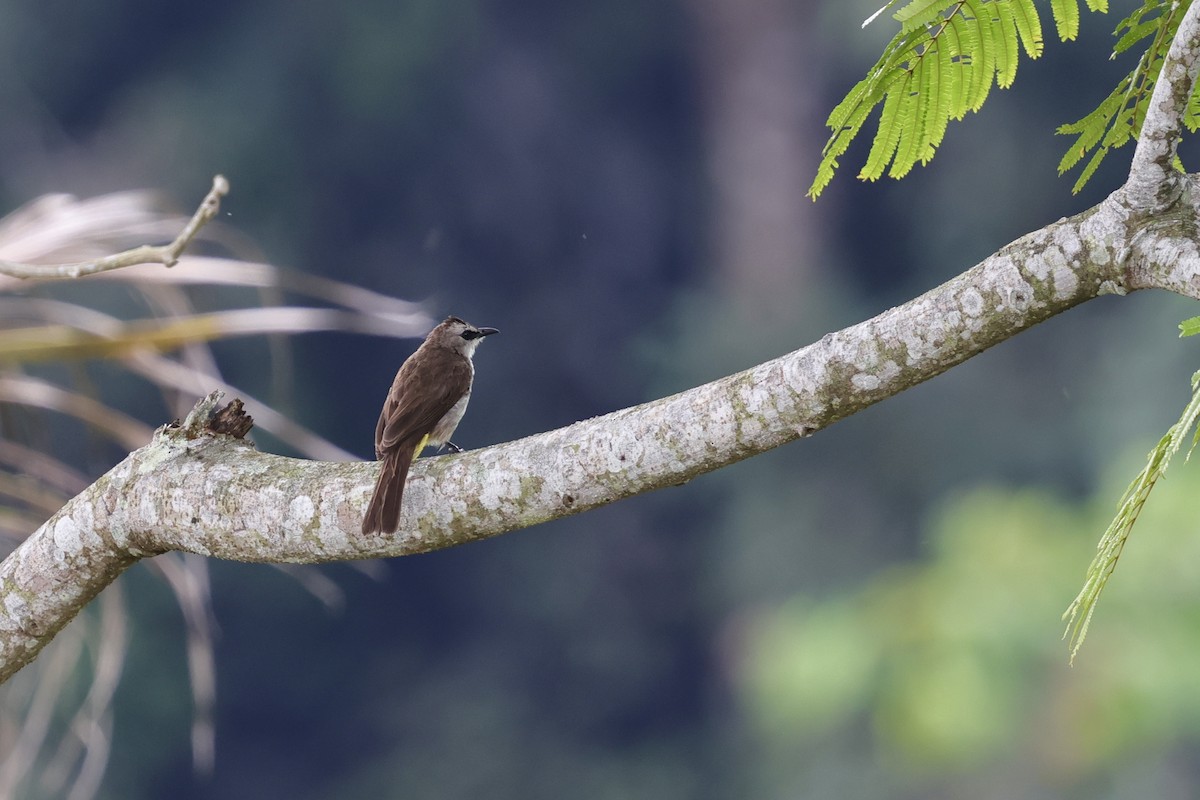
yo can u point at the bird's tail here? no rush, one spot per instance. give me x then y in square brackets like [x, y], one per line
[383, 512]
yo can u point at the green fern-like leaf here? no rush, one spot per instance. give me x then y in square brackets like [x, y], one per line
[1094, 133]
[954, 60]
[1066, 18]
[1029, 27]
[1136, 33]
[1189, 327]
[1149, 10]
[1112, 543]
[1007, 51]
[941, 64]
[1191, 119]
[919, 13]
[887, 136]
[1090, 169]
[981, 55]
[943, 99]
[1118, 119]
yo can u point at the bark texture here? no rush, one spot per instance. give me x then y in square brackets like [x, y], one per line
[197, 490]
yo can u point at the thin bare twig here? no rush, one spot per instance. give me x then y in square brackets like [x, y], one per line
[167, 254]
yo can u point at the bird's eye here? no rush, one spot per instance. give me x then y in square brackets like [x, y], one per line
[469, 334]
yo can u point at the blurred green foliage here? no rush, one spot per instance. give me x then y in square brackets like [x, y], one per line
[948, 668]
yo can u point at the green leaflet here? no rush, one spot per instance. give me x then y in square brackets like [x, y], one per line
[941, 64]
[1029, 27]
[1191, 119]
[1112, 543]
[1006, 52]
[1150, 11]
[925, 84]
[887, 137]
[944, 102]
[983, 58]
[1118, 119]
[919, 13]
[949, 53]
[1066, 18]
[1136, 33]
[1189, 327]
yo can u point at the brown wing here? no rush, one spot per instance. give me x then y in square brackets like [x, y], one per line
[424, 390]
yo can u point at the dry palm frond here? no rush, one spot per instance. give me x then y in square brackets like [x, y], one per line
[143, 321]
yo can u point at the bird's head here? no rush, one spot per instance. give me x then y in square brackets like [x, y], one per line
[459, 335]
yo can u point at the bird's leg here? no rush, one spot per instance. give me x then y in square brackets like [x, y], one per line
[452, 447]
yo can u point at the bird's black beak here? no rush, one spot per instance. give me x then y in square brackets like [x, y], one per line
[488, 331]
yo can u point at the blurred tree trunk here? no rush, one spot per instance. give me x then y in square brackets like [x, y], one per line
[760, 141]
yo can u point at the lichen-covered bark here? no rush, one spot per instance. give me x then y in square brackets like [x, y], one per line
[1153, 181]
[199, 491]
[46, 581]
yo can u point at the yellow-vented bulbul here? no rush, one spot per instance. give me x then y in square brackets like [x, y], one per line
[423, 407]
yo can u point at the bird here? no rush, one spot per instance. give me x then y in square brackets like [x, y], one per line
[425, 404]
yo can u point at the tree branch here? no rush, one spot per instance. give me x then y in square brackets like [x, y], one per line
[196, 489]
[167, 254]
[1153, 179]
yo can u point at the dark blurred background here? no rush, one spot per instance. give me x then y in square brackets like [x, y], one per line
[619, 187]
